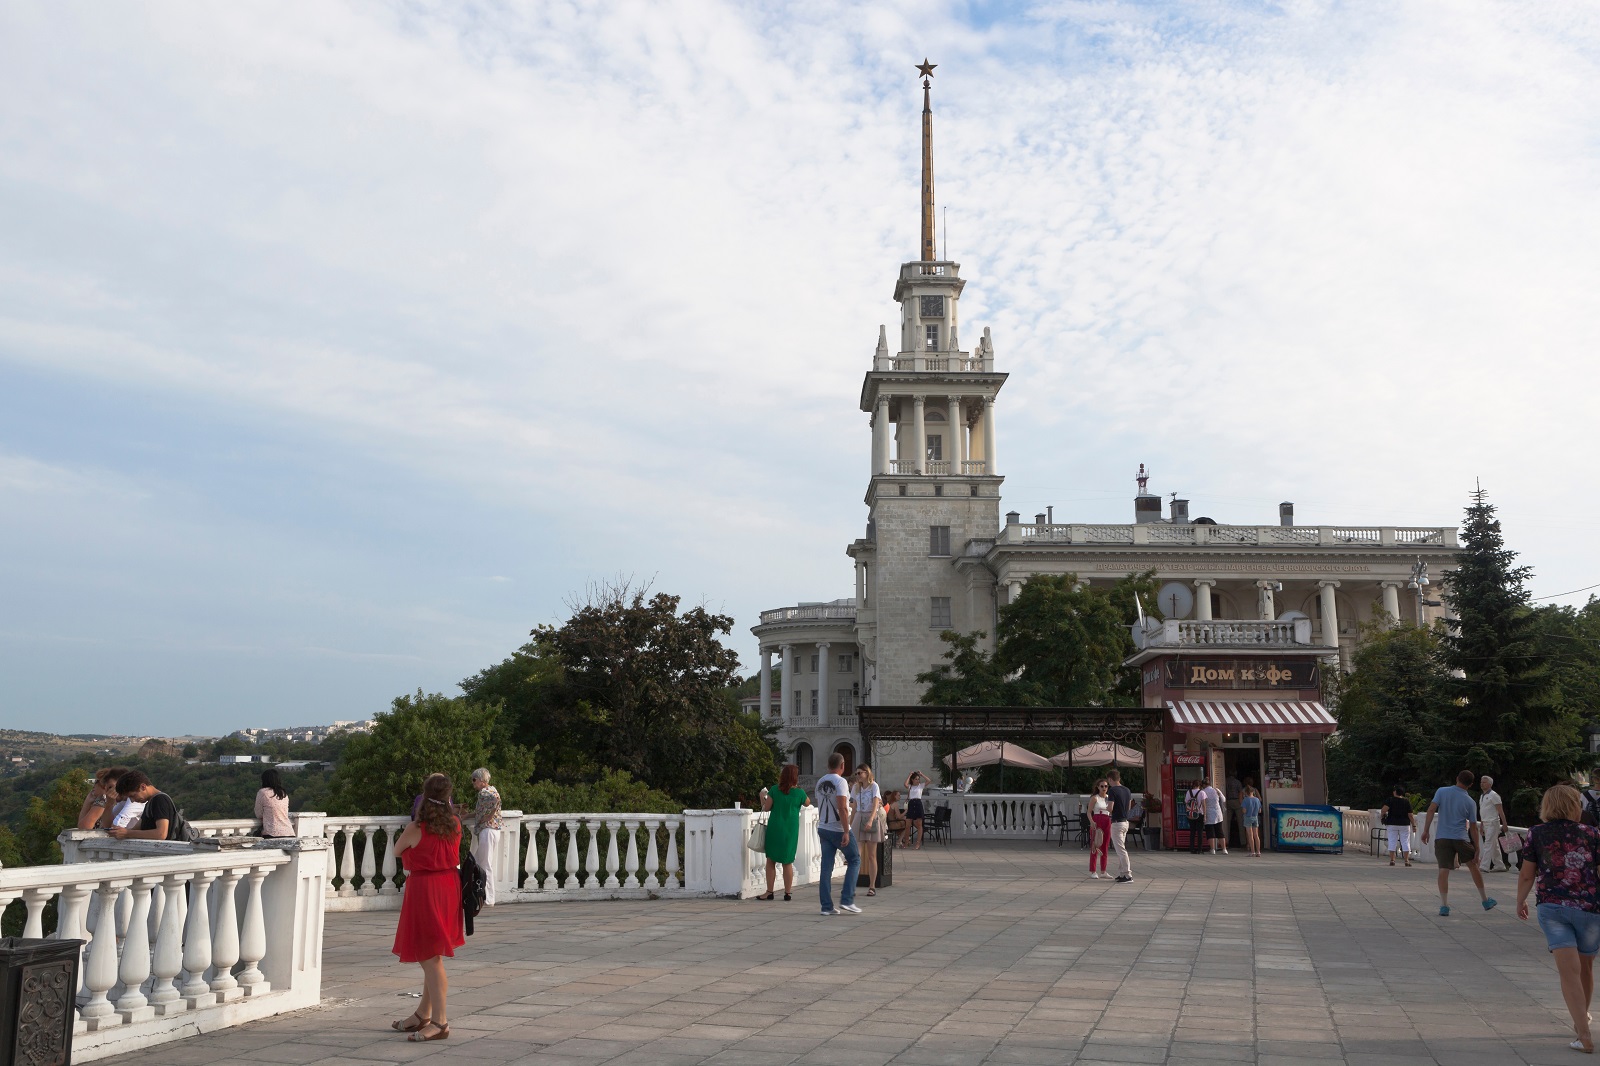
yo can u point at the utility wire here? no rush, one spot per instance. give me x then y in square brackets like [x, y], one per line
[1558, 595]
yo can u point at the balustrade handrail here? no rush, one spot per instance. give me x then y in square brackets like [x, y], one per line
[821, 612]
[1162, 534]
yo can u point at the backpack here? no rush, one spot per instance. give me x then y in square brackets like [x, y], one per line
[1591, 807]
[474, 889]
[184, 830]
[1194, 805]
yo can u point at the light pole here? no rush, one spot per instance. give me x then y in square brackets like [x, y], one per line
[1419, 581]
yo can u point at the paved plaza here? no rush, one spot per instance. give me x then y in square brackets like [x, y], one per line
[981, 953]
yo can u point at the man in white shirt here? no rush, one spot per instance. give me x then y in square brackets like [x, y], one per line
[833, 830]
[1492, 816]
[1216, 831]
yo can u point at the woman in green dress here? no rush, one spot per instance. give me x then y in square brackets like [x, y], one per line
[783, 827]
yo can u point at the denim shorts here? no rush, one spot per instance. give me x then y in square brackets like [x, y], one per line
[1569, 927]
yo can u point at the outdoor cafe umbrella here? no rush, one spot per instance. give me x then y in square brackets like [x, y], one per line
[999, 753]
[1100, 753]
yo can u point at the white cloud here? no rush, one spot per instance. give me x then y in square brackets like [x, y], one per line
[619, 268]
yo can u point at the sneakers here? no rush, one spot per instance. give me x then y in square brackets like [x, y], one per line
[1444, 912]
[1123, 879]
[1094, 875]
[1224, 851]
[1490, 903]
[829, 914]
[850, 908]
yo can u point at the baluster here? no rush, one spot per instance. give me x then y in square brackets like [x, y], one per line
[550, 867]
[611, 880]
[71, 924]
[530, 862]
[136, 954]
[197, 943]
[389, 888]
[225, 938]
[168, 960]
[592, 863]
[672, 853]
[330, 832]
[347, 862]
[34, 899]
[631, 874]
[253, 941]
[97, 1011]
[369, 861]
[650, 875]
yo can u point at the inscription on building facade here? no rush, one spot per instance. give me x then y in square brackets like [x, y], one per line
[1242, 673]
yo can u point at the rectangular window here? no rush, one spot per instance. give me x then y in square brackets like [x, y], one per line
[813, 664]
[940, 613]
[931, 337]
[798, 696]
[846, 663]
[813, 701]
[939, 541]
[935, 445]
[847, 702]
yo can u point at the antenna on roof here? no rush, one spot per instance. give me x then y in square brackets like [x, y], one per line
[947, 232]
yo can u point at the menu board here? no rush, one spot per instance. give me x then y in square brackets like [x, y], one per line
[1283, 763]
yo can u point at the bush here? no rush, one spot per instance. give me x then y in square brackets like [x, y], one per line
[615, 792]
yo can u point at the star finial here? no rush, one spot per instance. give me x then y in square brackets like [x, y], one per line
[925, 68]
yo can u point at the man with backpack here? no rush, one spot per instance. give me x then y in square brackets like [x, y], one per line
[1194, 808]
[159, 820]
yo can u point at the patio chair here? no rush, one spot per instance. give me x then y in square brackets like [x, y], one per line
[1056, 822]
[938, 827]
[1083, 830]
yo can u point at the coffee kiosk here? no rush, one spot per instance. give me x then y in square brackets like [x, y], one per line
[1240, 699]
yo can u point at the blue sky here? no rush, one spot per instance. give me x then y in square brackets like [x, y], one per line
[340, 345]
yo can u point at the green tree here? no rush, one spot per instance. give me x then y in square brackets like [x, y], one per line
[1507, 719]
[631, 683]
[969, 677]
[383, 771]
[190, 751]
[1389, 706]
[49, 815]
[612, 791]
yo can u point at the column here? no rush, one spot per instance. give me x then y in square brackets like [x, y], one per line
[880, 435]
[766, 683]
[786, 683]
[919, 437]
[1265, 608]
[1330, 614]
[1202, 598]
[990, 466]
[1391, 601]
[954, 450]
[822, 684]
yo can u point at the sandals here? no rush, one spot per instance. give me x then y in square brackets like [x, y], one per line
[767, 896]
[402, 1026]
[786, 897]
[872, 892]
[442, 1034]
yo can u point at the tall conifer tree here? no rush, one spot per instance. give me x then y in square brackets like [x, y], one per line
[1506, 721]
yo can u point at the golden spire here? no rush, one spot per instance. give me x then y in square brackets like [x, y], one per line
[930, 251]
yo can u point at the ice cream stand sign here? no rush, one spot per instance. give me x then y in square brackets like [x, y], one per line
[1303, 827]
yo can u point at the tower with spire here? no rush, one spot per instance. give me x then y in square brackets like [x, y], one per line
[934, 487]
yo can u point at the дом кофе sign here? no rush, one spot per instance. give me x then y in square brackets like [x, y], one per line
[1241, 674]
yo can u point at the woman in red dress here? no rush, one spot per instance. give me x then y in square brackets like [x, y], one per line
[431, 923]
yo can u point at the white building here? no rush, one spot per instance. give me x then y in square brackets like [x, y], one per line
[936, 555]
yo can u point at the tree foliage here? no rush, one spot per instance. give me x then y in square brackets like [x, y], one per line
[382, 771]
[1058, 644]
[631, 682]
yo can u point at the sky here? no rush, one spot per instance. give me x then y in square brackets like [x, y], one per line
[343, 344]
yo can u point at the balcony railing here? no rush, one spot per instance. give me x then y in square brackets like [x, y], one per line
[820, 612]
[1232, 633]
[937, 466]
[1158, 534]
[936, 363]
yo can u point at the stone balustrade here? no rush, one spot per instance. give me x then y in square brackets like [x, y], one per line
[1156, 534]
[181, 939]
[1231, 633]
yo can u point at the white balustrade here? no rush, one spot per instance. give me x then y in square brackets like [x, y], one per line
[552, 870]
[129, 996]
[368, 883]
[938, 466]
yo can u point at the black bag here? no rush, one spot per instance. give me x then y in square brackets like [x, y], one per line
[474, 889]
[1591, 807]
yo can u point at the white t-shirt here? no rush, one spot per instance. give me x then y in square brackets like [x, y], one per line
[1213, 800]
[1489, 806]
[829, 788]
[915, 793]
[126, 814]
[1102, 805]
[863, 797]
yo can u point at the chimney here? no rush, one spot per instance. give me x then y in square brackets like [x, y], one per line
[1013, 518]
[1286, 514]
[1038, 519]
[1180, 512]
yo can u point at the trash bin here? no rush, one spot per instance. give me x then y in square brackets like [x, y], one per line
[885, 867]
[38, 984]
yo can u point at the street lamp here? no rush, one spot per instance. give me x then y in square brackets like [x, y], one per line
[1419, 582]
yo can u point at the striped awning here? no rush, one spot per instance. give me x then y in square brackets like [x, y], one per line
[1250, 716]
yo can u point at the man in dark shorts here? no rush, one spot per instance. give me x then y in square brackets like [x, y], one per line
[1457, 837]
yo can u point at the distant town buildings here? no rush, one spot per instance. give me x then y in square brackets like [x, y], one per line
[304, 734]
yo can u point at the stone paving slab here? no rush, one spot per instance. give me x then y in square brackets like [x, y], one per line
[982, 953]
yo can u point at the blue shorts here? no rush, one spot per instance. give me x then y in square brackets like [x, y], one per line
[1250, 821]
[1569, 927]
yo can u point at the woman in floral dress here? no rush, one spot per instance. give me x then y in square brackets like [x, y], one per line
[1560, 858]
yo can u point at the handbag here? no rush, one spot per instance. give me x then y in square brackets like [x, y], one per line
[758, 837]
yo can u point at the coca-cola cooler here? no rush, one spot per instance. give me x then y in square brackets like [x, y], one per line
[1182, 772]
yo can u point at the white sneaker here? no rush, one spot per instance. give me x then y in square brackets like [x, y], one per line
[829, 914]
[1094, 874]
[1224, 851]
[850, 908]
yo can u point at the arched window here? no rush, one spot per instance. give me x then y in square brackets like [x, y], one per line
[802, 758]
[849, 754]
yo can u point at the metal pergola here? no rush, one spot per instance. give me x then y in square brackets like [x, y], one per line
[953, 728]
